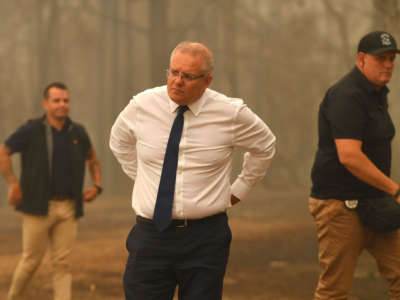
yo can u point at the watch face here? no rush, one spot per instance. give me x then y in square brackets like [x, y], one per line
[99, 189]
[351, 204]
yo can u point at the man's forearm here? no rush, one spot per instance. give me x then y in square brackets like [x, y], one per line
[352, 157]
[94, 168]
[366, 171]
[95, 172]
[6, 165]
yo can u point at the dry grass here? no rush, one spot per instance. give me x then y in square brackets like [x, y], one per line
[273, 253]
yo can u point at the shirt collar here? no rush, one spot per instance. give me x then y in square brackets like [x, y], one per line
[67, 124]
[194, 107]
[366, 84]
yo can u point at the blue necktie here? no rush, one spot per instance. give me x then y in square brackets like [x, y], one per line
[165, 196]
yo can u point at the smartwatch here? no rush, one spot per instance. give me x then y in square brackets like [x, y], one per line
[99, 189]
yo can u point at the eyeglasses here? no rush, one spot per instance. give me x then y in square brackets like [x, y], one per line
[184, 76]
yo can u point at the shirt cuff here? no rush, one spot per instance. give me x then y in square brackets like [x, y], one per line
[240, 190]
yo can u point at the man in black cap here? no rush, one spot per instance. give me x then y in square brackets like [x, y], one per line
[352, 162]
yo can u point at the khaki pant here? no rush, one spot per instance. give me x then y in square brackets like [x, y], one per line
[341, 239]
[58, 230]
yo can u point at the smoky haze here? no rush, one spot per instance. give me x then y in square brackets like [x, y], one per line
[279, 56]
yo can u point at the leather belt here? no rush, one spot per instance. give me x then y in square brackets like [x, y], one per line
[180, 223]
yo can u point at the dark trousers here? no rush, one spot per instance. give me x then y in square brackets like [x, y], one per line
[194, 258]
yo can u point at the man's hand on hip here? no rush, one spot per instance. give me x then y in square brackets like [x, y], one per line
[234, 200]
[14, 194]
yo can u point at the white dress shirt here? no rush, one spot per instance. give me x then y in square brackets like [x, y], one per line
[213, 126]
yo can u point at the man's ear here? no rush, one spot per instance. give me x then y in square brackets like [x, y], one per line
[44, 103]
[209, 79]
[360, 59]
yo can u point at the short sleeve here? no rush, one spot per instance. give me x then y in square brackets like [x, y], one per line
[19, 140]
[85, 138]
[347, 115]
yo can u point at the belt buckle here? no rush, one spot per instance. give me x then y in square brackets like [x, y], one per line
[185, 224]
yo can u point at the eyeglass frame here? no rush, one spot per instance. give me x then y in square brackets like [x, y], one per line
[185, 76]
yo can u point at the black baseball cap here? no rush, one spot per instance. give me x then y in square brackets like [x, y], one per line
[377, 42]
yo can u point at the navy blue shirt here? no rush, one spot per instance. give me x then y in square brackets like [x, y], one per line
[61, 173]
[351, 109]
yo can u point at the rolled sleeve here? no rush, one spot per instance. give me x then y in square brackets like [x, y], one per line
[20, 139]
[255, 137]
[346, 114]
[123, 140]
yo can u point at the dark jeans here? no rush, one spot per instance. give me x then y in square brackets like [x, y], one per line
[193, 257]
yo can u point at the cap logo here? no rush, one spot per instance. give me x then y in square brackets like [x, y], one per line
[385, 38]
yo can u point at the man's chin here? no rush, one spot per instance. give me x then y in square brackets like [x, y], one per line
[177, 98]
[385, 81]
[386, 78]
[61, 117]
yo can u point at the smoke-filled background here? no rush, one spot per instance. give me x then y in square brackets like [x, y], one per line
[279, 56]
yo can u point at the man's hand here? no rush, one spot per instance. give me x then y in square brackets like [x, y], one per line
[90, 194]
[397, 194]
[352, 157]
[14, 194]
[234, 200]
[14, 189]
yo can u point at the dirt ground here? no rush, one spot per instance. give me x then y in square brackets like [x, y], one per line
[273, 252]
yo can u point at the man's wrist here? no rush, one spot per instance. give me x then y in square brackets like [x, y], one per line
[13, 181]
[99, 189]
[397, 194]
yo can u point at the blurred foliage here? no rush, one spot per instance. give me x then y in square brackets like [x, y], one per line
[279, 56]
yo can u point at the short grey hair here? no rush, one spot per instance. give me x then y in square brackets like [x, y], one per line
[195, 48]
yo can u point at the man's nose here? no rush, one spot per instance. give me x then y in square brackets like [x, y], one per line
[389, 63]
[179, 80]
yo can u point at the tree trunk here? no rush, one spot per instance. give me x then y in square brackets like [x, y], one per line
[230, 59]
[387, 15]
[158, 41]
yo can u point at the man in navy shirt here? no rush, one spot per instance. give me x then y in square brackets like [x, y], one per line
[54, 151]
[353, 162]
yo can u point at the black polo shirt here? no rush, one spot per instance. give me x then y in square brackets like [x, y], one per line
[351, 109]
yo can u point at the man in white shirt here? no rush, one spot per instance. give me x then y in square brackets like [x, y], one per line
[189, 244]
